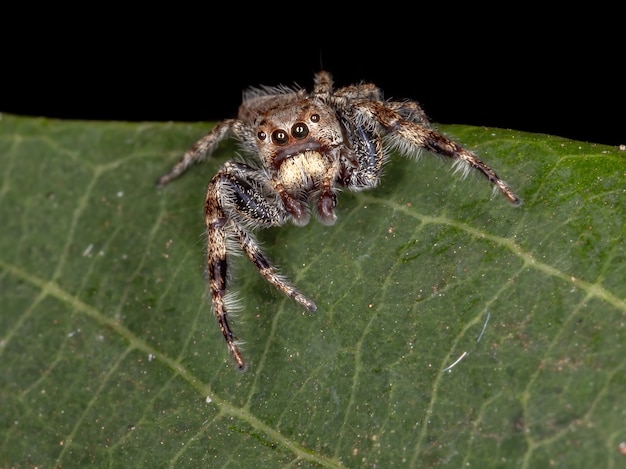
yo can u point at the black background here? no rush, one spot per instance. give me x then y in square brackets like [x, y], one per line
[561, 75]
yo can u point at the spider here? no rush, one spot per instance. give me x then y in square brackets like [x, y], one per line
[302, 148]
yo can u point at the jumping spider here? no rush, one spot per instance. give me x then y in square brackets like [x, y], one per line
[304, 146]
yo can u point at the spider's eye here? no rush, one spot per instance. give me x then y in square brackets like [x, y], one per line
[280, 137]
[315, 118]
[299, 130]
[261, 135]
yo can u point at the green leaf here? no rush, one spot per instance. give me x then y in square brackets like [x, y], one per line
[453, 329]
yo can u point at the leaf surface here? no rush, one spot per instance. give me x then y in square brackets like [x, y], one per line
[452, 329]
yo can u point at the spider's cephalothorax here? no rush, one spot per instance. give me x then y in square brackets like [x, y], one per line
[304, 146]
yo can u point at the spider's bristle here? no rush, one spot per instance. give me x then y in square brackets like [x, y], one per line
[232, 247]
[461, 167]
[402, 147]
[272, 91]
[232, 302]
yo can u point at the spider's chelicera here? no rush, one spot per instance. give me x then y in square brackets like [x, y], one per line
[304, 146]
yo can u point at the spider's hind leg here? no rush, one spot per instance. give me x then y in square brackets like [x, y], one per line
[410, 136]
[439, 144]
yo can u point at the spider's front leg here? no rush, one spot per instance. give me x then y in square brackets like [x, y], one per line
[235, 200]
[205, 146]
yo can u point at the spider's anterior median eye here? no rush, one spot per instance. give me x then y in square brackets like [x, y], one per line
[299, 130]
[280, 137]
[315, 118]
[261, 135]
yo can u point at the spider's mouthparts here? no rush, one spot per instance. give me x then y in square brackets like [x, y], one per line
[295, 149]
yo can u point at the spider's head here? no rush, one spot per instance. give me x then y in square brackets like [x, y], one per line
[295, 128]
